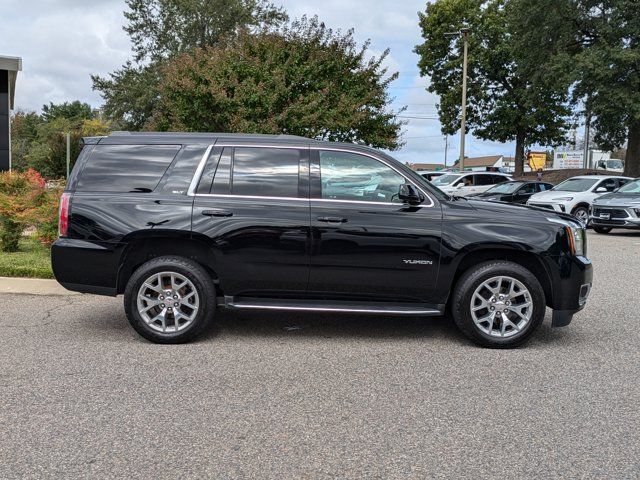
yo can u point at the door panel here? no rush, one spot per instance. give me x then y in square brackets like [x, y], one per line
[258, 239]
[383, 250]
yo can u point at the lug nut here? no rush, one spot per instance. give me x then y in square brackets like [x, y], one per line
[161, 297]
[175, 296]
[163, 305]
[175, 304]
[492, 308]
[506, 311]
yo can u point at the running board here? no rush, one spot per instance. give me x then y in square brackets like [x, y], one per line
[374, 308]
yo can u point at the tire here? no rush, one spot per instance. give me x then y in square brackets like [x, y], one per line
[603, 230]
[153, 313]
[464, 299]
[582, 214]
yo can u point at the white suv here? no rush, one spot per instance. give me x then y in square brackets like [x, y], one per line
[576, 195]
[469, 183]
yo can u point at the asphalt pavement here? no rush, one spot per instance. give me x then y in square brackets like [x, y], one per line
[270, 395]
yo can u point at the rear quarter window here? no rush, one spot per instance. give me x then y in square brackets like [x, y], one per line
[126, 168]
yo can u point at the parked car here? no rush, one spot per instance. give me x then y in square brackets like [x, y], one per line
[620, 209]
[431, 174]
[468, 183]
[576, 194]
[515, 191]
[179, 223]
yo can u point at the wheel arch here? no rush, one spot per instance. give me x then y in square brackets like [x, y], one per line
[142, 249]
[528, 260]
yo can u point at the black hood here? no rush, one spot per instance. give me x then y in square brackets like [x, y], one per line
[516, 212]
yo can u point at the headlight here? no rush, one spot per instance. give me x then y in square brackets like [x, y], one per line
[564, 199]
[576, 240]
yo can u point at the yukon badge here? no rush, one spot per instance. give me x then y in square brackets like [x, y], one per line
[418, 262]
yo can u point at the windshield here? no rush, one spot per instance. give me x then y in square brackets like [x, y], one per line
[631, 187]
[445, 179]
[576, 185]
[504, 188]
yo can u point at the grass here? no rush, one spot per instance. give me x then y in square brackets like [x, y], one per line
[32, 260]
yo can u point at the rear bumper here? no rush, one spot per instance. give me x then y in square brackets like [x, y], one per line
[86, 267]
[571, 287]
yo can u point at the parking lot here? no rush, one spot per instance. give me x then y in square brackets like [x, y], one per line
[310, 396]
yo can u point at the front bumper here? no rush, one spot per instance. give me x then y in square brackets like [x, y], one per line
[572, 281]
[615, 217]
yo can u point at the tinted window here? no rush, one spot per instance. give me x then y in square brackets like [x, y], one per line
[609, 184]
[527, 189]
[265, 172]
[179, 176]
[576, 185]
[483, 180]
[126, 168]
[447, 179]
[349, 176]
[206, 178]
[541, 187]
[223, 174]
[499, 179]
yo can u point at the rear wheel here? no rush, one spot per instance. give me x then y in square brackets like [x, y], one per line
[602, 229]
[170, 300]
[498, 304]
[582, 214]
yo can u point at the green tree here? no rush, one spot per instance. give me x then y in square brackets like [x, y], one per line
[162, 29]
[24, 132]
[75, 111]
[608, 72]
[304, 79]
[515, 92]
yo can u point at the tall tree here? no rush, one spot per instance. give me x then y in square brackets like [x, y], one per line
[608, 72]
[74, 111]
[162, 29]
[515, 92]
[304, 79]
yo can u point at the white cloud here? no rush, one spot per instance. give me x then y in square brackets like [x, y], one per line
[63, 42]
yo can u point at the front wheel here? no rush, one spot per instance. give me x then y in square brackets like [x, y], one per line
[498, 304]
[582, 214]
[602, 229]
[170, 300]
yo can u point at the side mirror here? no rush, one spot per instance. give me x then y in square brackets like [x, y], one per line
[409, 194]
[459, 185]
[601, 190]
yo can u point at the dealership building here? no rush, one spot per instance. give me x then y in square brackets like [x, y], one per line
[9, 68]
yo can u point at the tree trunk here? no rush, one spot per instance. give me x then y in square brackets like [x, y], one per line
[519, 159]
[632, 159]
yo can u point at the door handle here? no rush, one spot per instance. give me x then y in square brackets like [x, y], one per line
[332, 219]
[217, 212]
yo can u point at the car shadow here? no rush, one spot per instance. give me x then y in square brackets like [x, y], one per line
[317, 325]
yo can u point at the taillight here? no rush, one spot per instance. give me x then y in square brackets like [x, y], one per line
[63, 218]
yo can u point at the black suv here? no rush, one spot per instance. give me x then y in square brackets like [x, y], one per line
[181, 222]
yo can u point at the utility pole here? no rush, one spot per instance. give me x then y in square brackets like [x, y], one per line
[464, 33]
[446, 149]
[587, 127]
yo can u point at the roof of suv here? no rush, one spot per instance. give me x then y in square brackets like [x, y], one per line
[124, 138]
[597, 177]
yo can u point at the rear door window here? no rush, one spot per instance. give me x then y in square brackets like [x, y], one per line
[126, 168]
[264, 172]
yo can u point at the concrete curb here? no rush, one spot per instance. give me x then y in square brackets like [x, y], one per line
[32, 286]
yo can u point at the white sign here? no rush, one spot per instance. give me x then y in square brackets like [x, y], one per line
[571, 159]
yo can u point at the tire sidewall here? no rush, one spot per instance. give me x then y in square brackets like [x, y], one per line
[192, 271]
[467, 288]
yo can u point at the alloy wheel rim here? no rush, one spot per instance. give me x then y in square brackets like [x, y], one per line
[583, 216]
[501, 307]
[168, 302]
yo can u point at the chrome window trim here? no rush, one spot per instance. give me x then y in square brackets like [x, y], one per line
[198, 173]
[328, 200]
[356, 152]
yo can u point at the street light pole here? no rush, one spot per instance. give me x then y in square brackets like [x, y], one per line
[464, 33]
[463, 121]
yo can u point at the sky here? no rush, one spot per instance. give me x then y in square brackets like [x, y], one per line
[63, 42]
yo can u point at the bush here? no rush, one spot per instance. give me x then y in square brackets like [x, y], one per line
[22, 195]
[46, 220]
